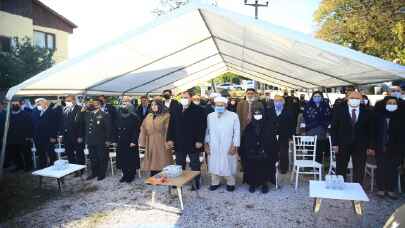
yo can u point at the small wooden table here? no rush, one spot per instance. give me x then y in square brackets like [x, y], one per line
[52, 172]
[177, 182]
[351, 191]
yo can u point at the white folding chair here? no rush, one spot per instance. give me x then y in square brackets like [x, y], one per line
[332, 162]
[304, 158]
[113, 157]
[371, 167]
[141, 158]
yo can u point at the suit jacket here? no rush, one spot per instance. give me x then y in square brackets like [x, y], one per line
[344, 133]
[98, 128]
[141, 114]
[71, 125]
[393, 131]
[45, 126]
[243, 111]
[20, 128]
[187, 128]
[282, 125]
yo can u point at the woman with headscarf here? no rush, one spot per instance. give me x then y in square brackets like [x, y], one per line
[389, 143]
[317, 117]
[257, 152]
[153, 138]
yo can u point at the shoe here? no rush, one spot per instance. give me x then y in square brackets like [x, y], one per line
[252, 189]
[130, 179]
[265, 189]
[90, 177]
[123, 179]
[100, 178]
[393, 195]
[195, 186]
[214, 187]
[230, 188]
[381, 194]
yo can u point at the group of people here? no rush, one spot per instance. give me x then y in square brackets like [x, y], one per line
[256, 129]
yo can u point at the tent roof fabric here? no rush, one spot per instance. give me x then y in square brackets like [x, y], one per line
[197, 43]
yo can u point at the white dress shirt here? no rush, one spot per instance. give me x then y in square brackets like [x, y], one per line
[357, 110]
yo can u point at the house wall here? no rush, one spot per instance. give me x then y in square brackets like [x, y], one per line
[62, 42]
[12, 25]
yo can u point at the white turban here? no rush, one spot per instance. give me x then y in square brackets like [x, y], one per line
[214, 95]
[220, 99]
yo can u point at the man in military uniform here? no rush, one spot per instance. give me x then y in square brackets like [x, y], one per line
[97, 137]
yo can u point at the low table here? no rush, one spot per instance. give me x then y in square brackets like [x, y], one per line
[352, 192]
[52, 172]
[177, 182]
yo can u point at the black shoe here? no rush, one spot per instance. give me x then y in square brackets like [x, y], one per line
[90, 177]
[252, 189]
[230, 188]
[265, 189]
[129, 179]
[123, 179]
[195, 186]
[214, 187]
[100, 178]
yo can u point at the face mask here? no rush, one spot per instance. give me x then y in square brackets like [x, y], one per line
[278, 105]
[196, 102]
[317, 99]
[233, 102]
[258, 116]
[354, 102]
[15, 108]
[124, 109]
[250, 99]
[396, 94]
[40, 108]
[69, 104]
[184, 102]
[91, 108]
[391, 107]
[219, 109]
[365, 102]
[166, 96]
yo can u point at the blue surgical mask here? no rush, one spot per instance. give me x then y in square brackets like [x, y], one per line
[219, 109]
[317, 99]
[278, 105]
[396, 94]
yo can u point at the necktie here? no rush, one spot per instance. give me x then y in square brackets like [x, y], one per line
[353, 117]
[249, 117]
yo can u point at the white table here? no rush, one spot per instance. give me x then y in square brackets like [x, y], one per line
[352, 192]
[52, 172]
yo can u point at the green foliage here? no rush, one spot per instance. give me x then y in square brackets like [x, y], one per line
[22, 62]
[228, 77]
[374, 27]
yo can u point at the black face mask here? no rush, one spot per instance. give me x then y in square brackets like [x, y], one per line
[91, 108]
[166, 96]
[15, 108]
[124, 110]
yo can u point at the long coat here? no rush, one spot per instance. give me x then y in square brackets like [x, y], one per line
[153, 138]
[45, 126]
[243, 111]
[127, 133]
[187, 128]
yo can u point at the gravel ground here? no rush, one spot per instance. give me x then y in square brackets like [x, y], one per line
[112, 204]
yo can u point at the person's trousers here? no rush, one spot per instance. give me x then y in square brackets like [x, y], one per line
[98, 159]
[46, 154]
[216, 180]
[322, 149]
[387, 170]
[74, 151]
[359, 156]
[20, 154]
[194, 156]
[283, 155]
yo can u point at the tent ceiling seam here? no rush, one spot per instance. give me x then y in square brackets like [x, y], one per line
[266, 80]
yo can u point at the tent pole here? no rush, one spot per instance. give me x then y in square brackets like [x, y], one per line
[3, 147]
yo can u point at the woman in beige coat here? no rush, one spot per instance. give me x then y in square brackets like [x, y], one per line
[153, 138]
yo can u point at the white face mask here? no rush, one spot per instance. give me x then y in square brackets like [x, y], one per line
[196, 102]
[40, 108]
[69, 104]
[184, 102]
[365, 102]
[354, 102]
[258, 116]
[391, 107]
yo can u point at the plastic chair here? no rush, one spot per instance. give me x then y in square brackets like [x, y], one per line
[371, 166]
[113, 157]
[304, 158]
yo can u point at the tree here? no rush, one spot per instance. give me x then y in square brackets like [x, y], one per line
[22, 62]
[228, 77]
[375, 27]
[165, 6]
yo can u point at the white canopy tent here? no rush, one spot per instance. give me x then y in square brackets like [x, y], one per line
[197, 43]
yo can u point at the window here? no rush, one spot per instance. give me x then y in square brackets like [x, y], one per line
[5, 43]
[44, 40]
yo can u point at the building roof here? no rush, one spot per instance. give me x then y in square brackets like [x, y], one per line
[64, 19]
[199, 42]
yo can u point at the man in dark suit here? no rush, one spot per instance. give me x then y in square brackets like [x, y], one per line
[19, 137]
[46, 123]
[352, 134]
[268, 103]
[110, 110]
[173, 105]
[143, 109]
[284, 128]
[72, 131]
[97, 137]
[186, 132]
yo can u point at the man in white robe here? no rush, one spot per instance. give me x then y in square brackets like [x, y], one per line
[222, 140]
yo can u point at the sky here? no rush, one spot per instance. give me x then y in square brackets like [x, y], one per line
[100, 21]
